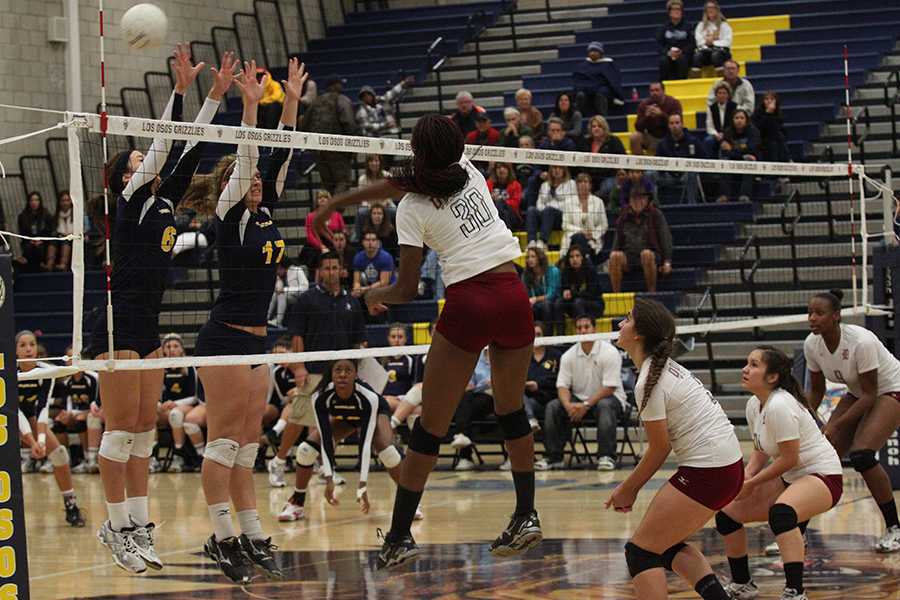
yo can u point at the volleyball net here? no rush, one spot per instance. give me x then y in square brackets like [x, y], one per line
[786, 231]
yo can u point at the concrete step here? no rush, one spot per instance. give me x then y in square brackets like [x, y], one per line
[790, 300]
[807, 229]
[500, 57]
[779, 275]
[185, 318]
[542, 29]
[836, 130]
[449, 75]
[430, 106]
[450, 89]
[530, 42]
[783, 252]
[540, 15]
[839, 209]
[735, 350]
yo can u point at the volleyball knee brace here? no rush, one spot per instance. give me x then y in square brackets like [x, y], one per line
[863, 460]
[782, 518]
[176, 419]
[423, 442]
[246, 456]
[390, 457]
[94, 422]
[669, 555]
[222, 451]
[726, 525]
[307, 453]
[514, 425]
[640, 560]
[59, 457]
[143, 443]
[414, 396]
[191, 428]
[116, 445]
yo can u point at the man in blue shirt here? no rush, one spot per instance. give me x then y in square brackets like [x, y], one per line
[373, 267]
[682, 144]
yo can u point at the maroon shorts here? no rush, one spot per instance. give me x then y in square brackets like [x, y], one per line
[894, 395]
[835, 485]
[713, 487]
[490, 308]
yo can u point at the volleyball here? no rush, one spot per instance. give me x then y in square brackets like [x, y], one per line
[144, 26]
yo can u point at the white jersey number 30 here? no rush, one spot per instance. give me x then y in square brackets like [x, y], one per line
[473, 211]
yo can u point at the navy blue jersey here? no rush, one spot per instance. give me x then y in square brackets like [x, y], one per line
[180, 384]
[401, 372]
[281, 384]
[359, 410]
[34, 395]
[77, 394]
[327, 321]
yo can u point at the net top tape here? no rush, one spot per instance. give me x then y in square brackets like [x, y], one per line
[226, 134]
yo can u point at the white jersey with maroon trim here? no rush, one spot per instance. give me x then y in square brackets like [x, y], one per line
[859, 351]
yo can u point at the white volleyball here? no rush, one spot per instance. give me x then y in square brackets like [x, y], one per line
[144, 26]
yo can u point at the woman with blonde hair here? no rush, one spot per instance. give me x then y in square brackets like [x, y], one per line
[600, 140]
[713, 37]
[547, 214]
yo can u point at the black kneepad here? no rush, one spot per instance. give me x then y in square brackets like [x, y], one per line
[863, 460]
[640, 560]
[725, 524]
[423, 442]
[514, 425]
[782, 518]
[669, 555]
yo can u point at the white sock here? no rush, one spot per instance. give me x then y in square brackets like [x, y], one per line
[25, 453]
[278, 461]
[199, 448]
[411, 420]
[220, 515]
[118, 515]
[395, 422]
[139, 510]
[279, 426]
[92, 454]
[250, 524]
[179, 446]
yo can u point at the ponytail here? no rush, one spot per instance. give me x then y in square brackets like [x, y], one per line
[658, 359]
[655, 324]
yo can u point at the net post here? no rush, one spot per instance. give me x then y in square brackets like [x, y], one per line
[864, 236]
[888, 207]
[76, 190]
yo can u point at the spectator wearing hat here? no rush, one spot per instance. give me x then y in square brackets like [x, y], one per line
[466, 110]
[483, 134]
[676, 44]
[332, 113]
[653, 118]
[597, 83]
[375, 115]
[681, 143]
[643, 239]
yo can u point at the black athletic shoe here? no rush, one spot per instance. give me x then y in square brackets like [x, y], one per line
[230, 558]
[395, 553]
[73, 515]
[260, 553]
[522, 533]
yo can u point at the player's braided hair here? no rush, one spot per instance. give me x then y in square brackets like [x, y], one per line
[654, 323]
[780, 364]
[434, 170]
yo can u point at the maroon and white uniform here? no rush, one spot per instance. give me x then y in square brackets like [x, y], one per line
[859, 351]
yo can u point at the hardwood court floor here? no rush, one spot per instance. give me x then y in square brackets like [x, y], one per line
[331, 554]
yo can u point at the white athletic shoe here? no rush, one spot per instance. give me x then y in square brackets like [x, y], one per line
[890, 541]
[792, 594]
[155, 467]
[336, 477]
[419, 515]
[460, 440]
[464, 464]
[291, 512]
[177, 465]
[47, 467]
[742, 591]
[143, 540]
[124, 551]
[535, 426]
[81, 468]
[276, 472]
[545, 465]
[773, 549]
[605, 463]
[506, 465]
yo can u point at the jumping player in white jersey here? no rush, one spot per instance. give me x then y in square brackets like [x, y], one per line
[869, 412]
[681, 416]
[446, 206]
[804, 479]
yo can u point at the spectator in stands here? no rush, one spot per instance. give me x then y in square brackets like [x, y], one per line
[476, 404]
[542, 280]
[589, 385]
[580, 292]
[741, 142]
[375, 115]
[584, 221]
[676, 44]
[466, 110]
[556, 138]
[546, 215]
[719, 113]
[269, 110]
[643, 240]
[768, 119]
[528, 176]
[373, 174]
[515, 128]
[372, 266]
[611, 189]
[401, 369]
[314, 245]
[713, 38]
[531, 116]
[540, 385]
[378, 222]
[597, 82]
[680, 143]
[484, 134]
[431, 284]
[34, 220]
[742, 93]
[635, 183]
[332, 113]
[506, 192]
[569, 115]
[290, 282]
[653, 118]
[59, 254]
[345, 252]
[600, 140]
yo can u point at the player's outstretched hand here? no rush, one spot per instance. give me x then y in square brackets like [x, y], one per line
[185, 72]
[223, 77]
[329, 492]
[297, 77]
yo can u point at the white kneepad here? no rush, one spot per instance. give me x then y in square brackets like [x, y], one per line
[191, 428]
[414, 396]
[176, 419]
[222, 451]
[390, 457]
[306, 455]
[246, 456]
[59, 457]
[116, 445]
[94, 422]
[143, 444]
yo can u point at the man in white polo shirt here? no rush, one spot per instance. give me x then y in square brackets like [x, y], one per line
[589, 386]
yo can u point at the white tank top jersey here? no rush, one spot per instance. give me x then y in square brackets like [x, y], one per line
[466, 232]
[783, 419]
[859, 351]
[699, 430]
